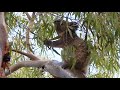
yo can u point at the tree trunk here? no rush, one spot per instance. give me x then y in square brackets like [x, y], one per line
[3, 41]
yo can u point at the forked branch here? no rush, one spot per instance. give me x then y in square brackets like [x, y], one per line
[49, 66]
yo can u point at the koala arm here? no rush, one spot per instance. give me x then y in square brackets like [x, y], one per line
[57, 43]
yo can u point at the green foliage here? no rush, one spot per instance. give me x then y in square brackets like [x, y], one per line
[29, 73]
[68, 54]
[102, 36]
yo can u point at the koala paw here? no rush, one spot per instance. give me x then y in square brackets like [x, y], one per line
[47, 42]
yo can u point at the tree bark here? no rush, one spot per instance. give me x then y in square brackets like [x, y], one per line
[3, 43]
[49, 66]
[52, 66]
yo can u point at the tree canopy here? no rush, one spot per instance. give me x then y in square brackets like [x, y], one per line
[28, 30]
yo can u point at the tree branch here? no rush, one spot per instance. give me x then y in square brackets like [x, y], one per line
[53, 67]
[19, 65]
[49, 66]
[57, 71]
[28, 16]
[4, 46]
[30, 26]
[30, 55]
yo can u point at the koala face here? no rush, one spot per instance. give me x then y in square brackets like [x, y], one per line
[73, 25]
[62, 26]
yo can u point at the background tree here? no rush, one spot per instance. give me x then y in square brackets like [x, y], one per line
[28, 30]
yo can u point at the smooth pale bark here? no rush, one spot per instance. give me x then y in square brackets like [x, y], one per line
[49, 66]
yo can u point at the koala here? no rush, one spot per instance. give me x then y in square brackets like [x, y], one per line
[75, 53]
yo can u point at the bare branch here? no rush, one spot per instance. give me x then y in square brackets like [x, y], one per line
[27, 38]
[19, 65]
[49, 66]
[33, 15]
[28, 16]
[30, 26]
[57, 71]
[53, 67]
[30, 55]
